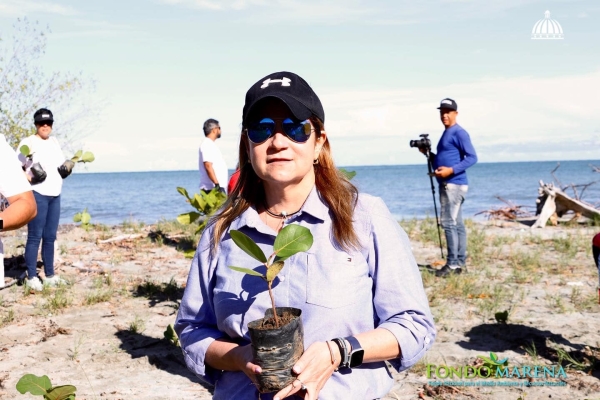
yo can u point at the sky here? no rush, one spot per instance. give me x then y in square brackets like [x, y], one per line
[380, 68]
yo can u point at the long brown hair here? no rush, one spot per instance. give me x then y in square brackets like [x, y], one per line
[334, 188]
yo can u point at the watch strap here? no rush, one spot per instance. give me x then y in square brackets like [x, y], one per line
[356, 352]
[344, 352]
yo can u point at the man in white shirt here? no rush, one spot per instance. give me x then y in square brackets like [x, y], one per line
[14, 186]
[213, 170]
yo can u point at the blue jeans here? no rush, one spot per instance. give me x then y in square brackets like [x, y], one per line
[452, 197]
[42, 228]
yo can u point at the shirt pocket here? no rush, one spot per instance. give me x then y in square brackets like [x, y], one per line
[333, 282]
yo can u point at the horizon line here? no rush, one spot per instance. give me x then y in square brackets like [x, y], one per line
[341, 166]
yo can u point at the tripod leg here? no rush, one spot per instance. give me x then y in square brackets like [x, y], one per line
[437, 219]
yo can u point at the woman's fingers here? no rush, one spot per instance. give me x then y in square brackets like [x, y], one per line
[295, 387]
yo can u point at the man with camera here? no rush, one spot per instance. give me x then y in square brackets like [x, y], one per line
[455, 153]
[15, 188]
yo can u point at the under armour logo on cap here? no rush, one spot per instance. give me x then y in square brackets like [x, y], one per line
[298, 97]
[284, 82]
[45, 115]
[446, 102]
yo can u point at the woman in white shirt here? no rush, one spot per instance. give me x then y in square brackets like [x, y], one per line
[46, 168]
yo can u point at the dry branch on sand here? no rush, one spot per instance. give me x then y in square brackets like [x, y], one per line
[509, 213]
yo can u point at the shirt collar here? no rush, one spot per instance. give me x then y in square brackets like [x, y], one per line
[314, 206]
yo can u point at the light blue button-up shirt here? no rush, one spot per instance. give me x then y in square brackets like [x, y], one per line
[340, 294]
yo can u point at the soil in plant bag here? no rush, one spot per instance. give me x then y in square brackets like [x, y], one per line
[276, 350]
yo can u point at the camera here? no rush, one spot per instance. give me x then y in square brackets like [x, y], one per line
[422, 144]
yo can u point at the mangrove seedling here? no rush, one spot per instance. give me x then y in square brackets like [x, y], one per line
[41, 386]
[290, 240]
[83, 157]
[26, 151]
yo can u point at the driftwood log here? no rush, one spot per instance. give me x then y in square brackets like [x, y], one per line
[552, 202]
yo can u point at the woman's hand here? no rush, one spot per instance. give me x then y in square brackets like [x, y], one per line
[244, 360]
[313, 369]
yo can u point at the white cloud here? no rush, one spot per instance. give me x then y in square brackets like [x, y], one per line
[18, 8]
[91, 28]
[539, 117]
[390, 12]
[509, 119]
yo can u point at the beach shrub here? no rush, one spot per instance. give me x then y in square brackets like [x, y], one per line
[84, 217]
[206, 204]
[41, 386]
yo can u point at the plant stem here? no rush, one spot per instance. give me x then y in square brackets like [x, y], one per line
[273, 304]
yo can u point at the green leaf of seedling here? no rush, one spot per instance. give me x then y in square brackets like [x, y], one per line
[61, 392]
[291, 240]
[36, 385]
[25, 150]
[183, 192]
[248, 245]
[76, 156]
[273, 270]
[77, 217]
[88, 156]
[188, 218]
[247, 271]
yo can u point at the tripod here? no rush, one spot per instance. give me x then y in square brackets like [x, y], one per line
[431, 175]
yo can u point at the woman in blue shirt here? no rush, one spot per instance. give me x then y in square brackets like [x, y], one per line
[359, 282]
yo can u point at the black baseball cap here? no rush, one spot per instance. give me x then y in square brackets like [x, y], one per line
[289, 88]
[43, 115]
[448, 104]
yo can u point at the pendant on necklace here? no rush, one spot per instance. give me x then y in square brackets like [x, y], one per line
[284, 214]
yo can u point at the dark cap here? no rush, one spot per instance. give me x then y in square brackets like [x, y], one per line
[43, 115]
[448, 104]
[291, 89]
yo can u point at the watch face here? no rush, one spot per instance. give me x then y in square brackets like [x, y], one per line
[357, 358]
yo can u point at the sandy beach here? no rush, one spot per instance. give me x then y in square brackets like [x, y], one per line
[529, 296]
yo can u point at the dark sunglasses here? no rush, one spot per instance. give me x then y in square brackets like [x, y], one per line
[49, 123]
[297, 131]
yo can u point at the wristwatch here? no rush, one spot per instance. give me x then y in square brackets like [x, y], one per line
[351, 357]
[356, 352]
[1, 224]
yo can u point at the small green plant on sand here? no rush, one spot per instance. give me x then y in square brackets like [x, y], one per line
[290, 240]
[41, 386]
[205, 204]
[171, 335]
[84, 217]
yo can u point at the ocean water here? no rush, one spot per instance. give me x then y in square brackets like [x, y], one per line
[112, 198]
